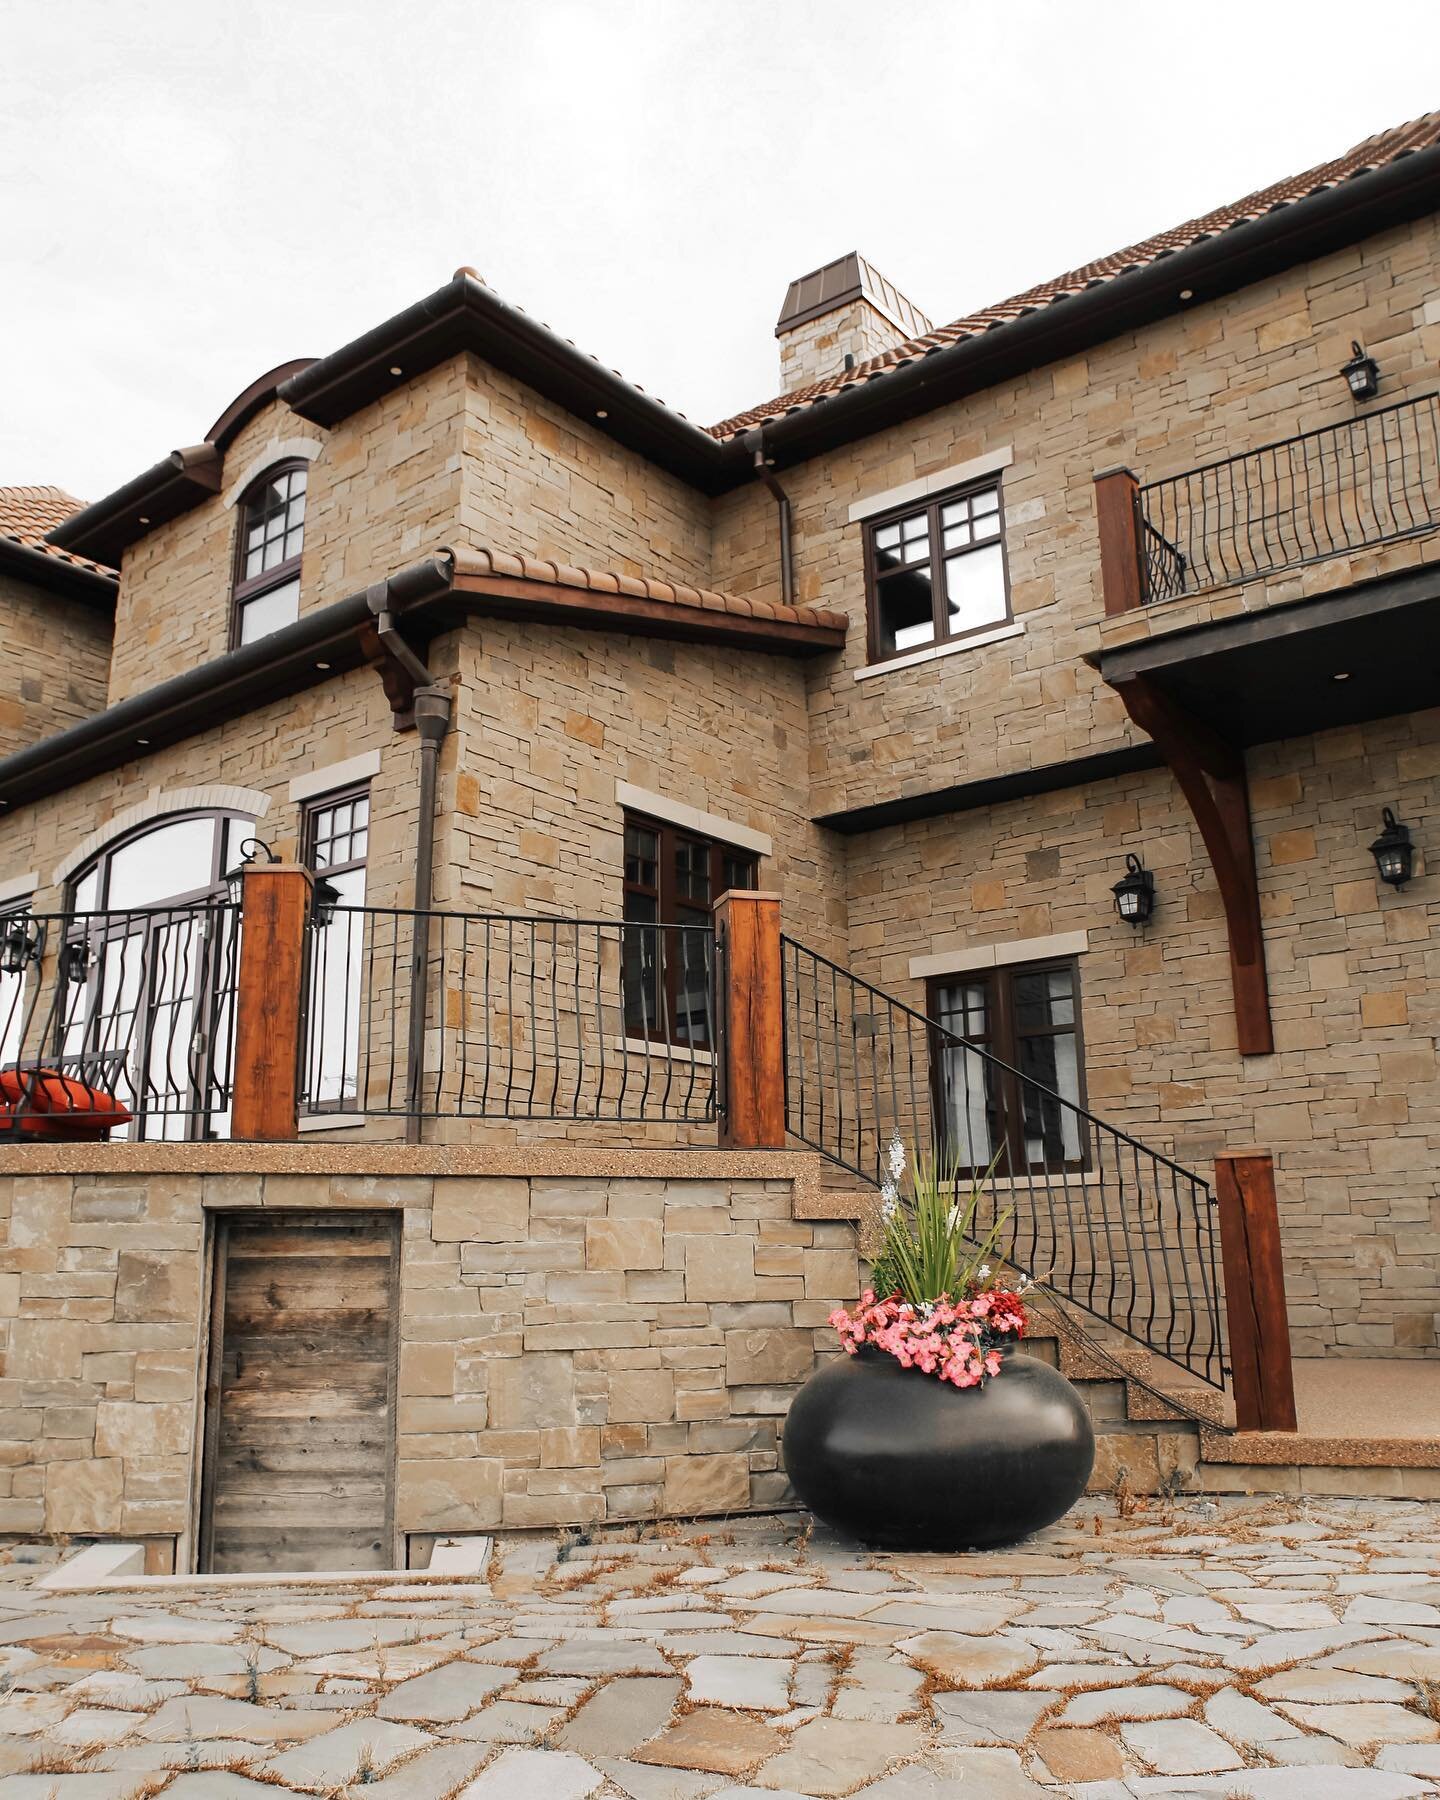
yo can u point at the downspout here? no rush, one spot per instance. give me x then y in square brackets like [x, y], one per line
[432, 721]
[755, 443]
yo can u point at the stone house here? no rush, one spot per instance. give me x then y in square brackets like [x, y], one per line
[1135, 571]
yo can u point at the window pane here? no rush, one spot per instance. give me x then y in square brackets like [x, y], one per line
[975, 589]
[739, 870]
[692, 871]
[170, 861]
[986, 502]
[907, 615]
[639, 967]
[1051, 1130]
[642, 856]
[1044, 999]
[270, 612]
[692, 1003]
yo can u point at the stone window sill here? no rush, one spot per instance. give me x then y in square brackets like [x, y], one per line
[651, 1051]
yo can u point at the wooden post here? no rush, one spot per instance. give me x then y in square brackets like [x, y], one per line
[265, 1093]
[1117, 514]
[751, 1011]
[1255, 1291]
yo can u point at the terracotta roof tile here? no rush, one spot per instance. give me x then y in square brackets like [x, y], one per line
[481, 561]
[27, 513]
[1375, 152]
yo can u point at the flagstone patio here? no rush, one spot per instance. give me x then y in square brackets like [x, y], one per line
[1281, 1650]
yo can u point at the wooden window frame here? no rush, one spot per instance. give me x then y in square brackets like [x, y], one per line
[939, 596]
[243, 589]
[668, 906]
[1002, 1039]
[311, 811]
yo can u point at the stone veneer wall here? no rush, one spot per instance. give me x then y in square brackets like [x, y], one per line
[1349, 1102]
[56, 666]
[583, 1335]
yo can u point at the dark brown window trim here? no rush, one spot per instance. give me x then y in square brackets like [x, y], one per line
[243, 589]
[1002, 1040]
[670, 909]
[931, 506]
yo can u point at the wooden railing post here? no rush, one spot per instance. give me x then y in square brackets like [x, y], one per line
[1117, 513]
[752, 1038]
[265, 1091]
[1255, 1291]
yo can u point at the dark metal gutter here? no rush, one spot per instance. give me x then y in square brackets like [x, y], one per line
[104, 529]
[316, 647]
[1246, 253]
[40, 569]
[467, 315]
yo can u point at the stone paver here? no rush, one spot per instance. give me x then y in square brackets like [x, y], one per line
[1274, 1649]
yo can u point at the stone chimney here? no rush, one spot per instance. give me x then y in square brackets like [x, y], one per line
[847, 310]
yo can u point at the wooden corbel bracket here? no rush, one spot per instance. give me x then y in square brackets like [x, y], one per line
[1211, 775]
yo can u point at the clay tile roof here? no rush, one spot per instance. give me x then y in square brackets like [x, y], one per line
[1374, 153]
[480, 561]
[27, 513]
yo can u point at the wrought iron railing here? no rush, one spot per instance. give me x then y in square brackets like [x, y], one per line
[134, 1007]
[1368, 481]
[1108, 1224]
[524, 1017]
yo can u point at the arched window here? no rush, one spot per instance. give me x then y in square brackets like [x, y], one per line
[149, 972]
[271, 532]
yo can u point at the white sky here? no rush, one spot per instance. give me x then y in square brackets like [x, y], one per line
[193, 193]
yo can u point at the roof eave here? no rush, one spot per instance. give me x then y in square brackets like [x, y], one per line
[465, 315]
[103, 530]
[1354, 209]
[28, 563]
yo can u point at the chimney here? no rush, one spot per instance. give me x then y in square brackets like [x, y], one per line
[847, 309]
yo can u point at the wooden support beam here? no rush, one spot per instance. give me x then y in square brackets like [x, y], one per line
[265, 1091]
[1261, 1374]
[1211, 775]
[1117, 512]
[752, 1044]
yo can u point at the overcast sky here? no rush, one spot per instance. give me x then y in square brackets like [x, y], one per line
[193, 193]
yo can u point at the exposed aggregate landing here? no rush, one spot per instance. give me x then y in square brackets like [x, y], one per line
[1275, 1650]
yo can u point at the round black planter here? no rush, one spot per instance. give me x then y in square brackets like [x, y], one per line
[899, 1459]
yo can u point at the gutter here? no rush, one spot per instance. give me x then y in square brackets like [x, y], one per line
[464, 315]
[432, 708]
[176, 483]
[1219, 265]
[754, 441]
[286, 662]
[56, 576]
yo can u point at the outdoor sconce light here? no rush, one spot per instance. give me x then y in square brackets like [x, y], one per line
[250, 851]
[1134, 892]
[327, 898]
[1362, 373]
[1393, 851]
[77, 960]
[20, 945]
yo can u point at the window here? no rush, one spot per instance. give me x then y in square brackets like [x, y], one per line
[1028, 1017]
[936, 572]
[266, 594]
[672, 880]
[336, 836]
[150, 970]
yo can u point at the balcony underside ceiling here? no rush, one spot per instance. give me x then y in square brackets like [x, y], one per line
[1368, 653]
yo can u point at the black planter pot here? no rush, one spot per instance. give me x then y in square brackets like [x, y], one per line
[899, 1459]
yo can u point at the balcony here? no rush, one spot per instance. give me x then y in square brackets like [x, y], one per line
[1287, 589]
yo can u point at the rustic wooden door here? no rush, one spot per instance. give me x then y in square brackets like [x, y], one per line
[300, 1402]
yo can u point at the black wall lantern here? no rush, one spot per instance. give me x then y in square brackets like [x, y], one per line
[1393, 851]
[1362, 373]
[250, 851]
[1134, 892]
[327, 898]
[20, 943]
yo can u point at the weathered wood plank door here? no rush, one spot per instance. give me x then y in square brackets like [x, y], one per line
[299, 1429]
